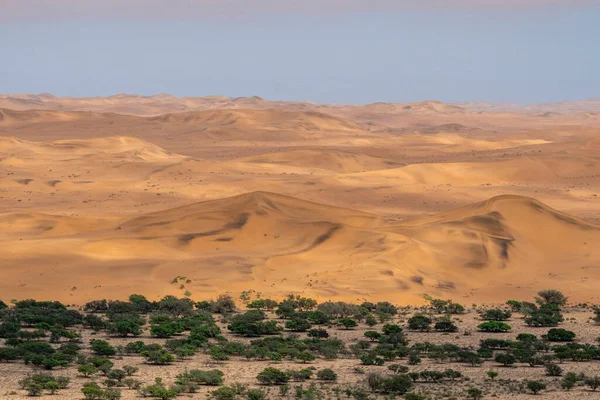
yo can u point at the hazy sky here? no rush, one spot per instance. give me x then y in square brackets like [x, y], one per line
[343, 51]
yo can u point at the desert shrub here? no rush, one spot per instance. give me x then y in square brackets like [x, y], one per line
[474, 393]
[445, 325]
[131, 383]
[92, 391]
[372, 335]
[505, 359]
[130, 370]
[318, 333]
[536, 386]
[116, 374]
[298, 324]
[272, 376]
[593, 382]
[493, 326]
[326, 375]
[111, 394]
[453, 374]
[546, 315]
[551, 296]
[185, 351]
[175, 307]
[260, 304]
[414, 359]
[347, 323]
[35, 384]
[337, 309]
[199, 377]
[569, 380]
[10, 354]
[432, 376]
[126, 326]
[87, 370]
[371, 359]
[526, 337]
[251, 324]
[492, 374]
[286, 309]
[305, 356]
[159, 390]
[445, 306]
[553, 370]
[514, 305]
[166, 329]
[225, 304]
[317, 317]
[419, 322]
[299, 375]
[102, 348]
[495, 314]
[158, 357]
[134, 347]
[395, 384]
[254, 394]
[560, 335]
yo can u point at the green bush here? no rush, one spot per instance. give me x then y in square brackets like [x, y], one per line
[224, 393]
[560, 335]
[396, 384]
[272, 376]
[348, 323]
[536, 386]
[551, 296]
[210, 378]
[493, 326]
[593, 382]
[445, 326]
[159, 390]
[553, 370]
[505, 359]
[254, 394]
[474, 393]
[102, 348]
[326, 375]
[546, 315]
[158, 357]
[496, 314]
[419, 322]
[92, 391]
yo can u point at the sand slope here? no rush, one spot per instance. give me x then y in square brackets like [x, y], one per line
[508, 245]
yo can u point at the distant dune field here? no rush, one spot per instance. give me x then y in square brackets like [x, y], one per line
[103, 197]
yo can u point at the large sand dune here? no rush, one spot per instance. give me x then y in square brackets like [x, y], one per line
[276, 244]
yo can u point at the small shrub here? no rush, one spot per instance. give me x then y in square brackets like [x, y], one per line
[553, 370]
[493, 326]
[326, 375]
[560, 335]
[536, 386]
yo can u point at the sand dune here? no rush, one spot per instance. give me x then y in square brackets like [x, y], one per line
[339, 161]
[275, 244]
[251, 125]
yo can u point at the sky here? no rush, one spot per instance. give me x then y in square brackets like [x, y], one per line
[327, 51]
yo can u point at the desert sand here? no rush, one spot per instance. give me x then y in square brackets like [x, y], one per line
[104, 197]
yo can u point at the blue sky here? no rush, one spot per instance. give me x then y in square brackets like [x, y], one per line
[360, 52]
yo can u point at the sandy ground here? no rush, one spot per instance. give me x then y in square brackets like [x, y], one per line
[238, 370]
[382, 201]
